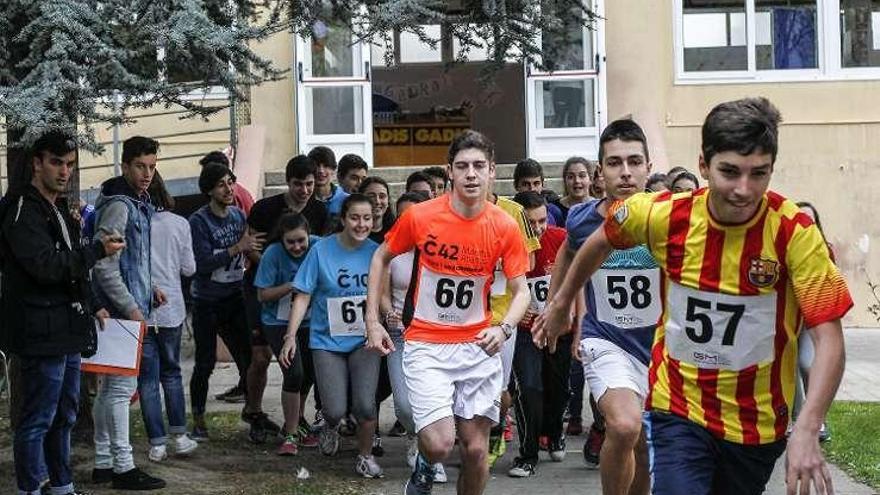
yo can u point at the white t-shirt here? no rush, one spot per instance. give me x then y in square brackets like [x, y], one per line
[172, 256]
[401, 273]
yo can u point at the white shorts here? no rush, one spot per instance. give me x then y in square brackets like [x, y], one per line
[608, 366]
[507, 352]
[447, 380]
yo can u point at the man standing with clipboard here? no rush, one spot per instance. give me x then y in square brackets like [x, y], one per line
[47, 312]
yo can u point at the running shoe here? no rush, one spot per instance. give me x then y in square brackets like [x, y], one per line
[508, 429]
[377, 449]
[593, 446]
[557, 450]
[397, 430]
[367, 467]
[497, 448]
[199, 433]
[824, 433]
[102, 475]
[440, 473]
[544, 443]
[183, 445]
[288, 446]
[575, 426]
[135, 479]
[230, 392]
[158, 453]
[262, 420]
[328, 443]
[421, 482]
[521, 469]
[319, 422]
[308, 440]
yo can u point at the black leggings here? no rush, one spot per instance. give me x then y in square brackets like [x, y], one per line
[293, 374]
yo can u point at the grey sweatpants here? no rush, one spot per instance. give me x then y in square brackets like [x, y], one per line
[337, 373]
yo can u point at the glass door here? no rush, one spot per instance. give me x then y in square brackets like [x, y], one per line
[565, 107]
[333, 91]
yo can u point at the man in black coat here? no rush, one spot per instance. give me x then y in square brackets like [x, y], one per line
[48, 312]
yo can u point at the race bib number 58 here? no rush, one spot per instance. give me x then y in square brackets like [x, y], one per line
[720, 331]
[627, 298]
[346, 316]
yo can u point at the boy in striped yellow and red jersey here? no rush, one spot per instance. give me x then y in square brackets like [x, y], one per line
[743, 268]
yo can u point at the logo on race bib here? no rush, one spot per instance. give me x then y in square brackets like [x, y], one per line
[763, 273]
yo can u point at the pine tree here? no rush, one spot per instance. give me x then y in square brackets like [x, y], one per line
[77, 63]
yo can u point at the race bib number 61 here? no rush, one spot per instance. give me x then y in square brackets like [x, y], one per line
[346, 316]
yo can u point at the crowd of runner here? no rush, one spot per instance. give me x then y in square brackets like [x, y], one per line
[690, 305]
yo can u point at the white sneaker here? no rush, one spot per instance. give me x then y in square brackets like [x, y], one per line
[328, 442]
[412, 452]
[184, 445]
[440, 473]
[367, 467]
[158, 453]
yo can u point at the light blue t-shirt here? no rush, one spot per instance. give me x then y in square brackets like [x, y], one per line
[625, 306]
[278, 267]
[336, 278]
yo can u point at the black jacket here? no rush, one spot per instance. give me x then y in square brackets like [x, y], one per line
[47, 303]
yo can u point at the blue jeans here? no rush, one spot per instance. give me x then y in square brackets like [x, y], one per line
[160, 363]
[402, 407]
[49, 388]
[111, 413]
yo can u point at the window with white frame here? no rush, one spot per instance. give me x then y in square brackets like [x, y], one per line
[785, 39]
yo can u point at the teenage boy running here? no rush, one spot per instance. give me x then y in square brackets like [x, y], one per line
[743, 269]
[451, 359]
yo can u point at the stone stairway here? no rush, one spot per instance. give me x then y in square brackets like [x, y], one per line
[396, 177]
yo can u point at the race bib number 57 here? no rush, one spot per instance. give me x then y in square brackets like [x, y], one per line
[720, 331]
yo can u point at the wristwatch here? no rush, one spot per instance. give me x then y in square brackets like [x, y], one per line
[507, 328]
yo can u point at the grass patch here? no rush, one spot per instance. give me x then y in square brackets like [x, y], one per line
[855, 440]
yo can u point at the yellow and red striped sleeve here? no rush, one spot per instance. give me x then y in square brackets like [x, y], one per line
[820, 288]
[626, 224]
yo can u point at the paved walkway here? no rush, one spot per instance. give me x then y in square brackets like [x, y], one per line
[571, 476]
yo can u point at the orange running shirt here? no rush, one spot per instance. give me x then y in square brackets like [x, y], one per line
[734, 297]
[448, 297]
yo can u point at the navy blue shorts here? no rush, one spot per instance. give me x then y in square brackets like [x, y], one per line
[686, 458]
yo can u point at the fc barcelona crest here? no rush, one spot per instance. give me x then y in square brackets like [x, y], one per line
[763, 273]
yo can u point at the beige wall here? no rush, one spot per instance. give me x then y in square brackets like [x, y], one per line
[213, 134]
[272, 104]
[828, 154]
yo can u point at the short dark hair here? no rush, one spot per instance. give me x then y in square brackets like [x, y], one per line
[292, 221]
[436, 172]
[373, 179]
[471, 139]
[686, 175]
[324, 156]
[57, 142]
[527, 168]
[655, 178]
[624, 130]
[412, 197]
[159, 195]
[211, 174]
[742, 126]
[136, 146]
[350, 200]
[530, 199]
[215, 157]
[348, 163]
[299, 167]
[418, 176]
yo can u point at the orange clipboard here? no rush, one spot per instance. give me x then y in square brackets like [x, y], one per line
[93, 364]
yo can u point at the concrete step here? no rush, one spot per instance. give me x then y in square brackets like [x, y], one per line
[503, 187]
[399, 174]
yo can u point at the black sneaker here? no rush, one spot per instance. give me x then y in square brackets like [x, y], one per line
[261, 420]
[135, 479]
[102, 475]
[397, 430]
[377, 449]
[521, 469]
[421, 482]
[348, 427]
[233, 392]
[593, 446]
